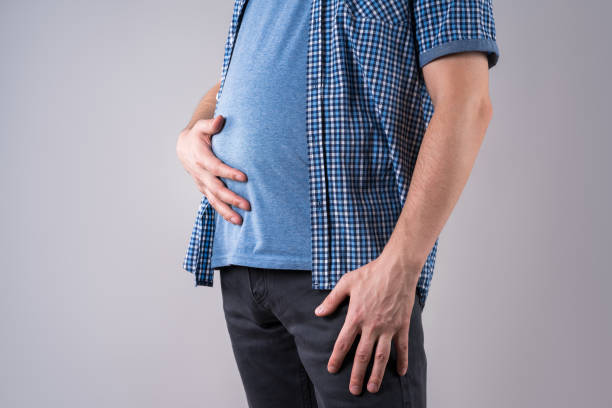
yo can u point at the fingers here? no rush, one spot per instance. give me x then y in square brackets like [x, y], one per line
[207, 169]
[218, 188]
[207, 161]
[343, 344]
[220, 197]
[362, 358]
[401, 345]
[203, 156]
[381, 357]
[335, 297]
[224, 210]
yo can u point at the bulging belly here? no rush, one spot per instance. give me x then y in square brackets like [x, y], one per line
[264, 136]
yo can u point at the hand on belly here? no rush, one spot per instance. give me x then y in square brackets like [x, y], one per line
[194, 149]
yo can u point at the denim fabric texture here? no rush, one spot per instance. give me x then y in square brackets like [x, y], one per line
[282, 348]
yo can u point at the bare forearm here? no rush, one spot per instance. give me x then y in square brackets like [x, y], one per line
[206, 106]
[446, 157]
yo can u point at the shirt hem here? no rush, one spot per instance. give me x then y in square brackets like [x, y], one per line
[263, 262]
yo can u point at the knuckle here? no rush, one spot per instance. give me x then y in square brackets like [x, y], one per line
[199, 162]
[201, 124]
[379, 318]
[382, 321]
[367, 330]
[214, 168]
[344, 279]
[375, 326]
[350, 321]
[380, 356]
[361, 357]
[357, 316]
[214, 192]
[375, 379]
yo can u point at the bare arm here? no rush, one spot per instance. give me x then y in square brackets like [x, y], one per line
[459, 87]
[194, 150]
[382, 292]
[206, 106]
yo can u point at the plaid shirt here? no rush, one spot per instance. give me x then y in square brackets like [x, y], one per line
[367, 111]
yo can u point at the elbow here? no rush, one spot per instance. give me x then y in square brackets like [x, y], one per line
[484, 110]
[472, 108]
[472, 112]
[477, 113]
[480, 112]
[477, 108]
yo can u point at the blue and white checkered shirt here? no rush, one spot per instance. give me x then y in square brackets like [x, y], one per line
[367, 111]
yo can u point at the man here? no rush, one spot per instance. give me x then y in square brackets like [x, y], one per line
[327, 183]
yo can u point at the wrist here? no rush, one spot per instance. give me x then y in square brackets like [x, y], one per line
[398, 255]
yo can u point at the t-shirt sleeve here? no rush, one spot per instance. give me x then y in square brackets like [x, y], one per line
[447, 27]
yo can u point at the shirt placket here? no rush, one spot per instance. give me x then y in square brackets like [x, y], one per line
[237, 14]
[316, 146]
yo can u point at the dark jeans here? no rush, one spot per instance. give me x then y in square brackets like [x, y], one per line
[282, 348]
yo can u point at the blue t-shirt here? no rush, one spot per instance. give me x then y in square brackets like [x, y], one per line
[264, 136]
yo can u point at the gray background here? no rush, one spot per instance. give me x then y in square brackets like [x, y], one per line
[96, 213]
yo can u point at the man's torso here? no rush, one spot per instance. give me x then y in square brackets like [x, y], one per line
[264, 105]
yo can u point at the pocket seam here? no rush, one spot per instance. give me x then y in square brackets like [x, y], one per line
[358, 16]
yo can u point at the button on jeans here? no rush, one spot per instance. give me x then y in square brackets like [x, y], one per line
[282, 348]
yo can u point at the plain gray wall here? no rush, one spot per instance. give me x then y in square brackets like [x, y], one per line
[97, 211]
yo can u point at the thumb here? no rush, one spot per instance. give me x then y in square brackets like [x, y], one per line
[210, 126]
[334, 298]
[216, 124]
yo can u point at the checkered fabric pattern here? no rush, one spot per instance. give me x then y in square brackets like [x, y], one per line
[367, 111]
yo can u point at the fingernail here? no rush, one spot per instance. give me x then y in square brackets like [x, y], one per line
[355, 389]
[319, 309]
[372, 387]
[240, 177]
[235, 220]
[331, 368]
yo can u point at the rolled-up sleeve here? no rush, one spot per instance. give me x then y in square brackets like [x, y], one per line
[448, 27]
